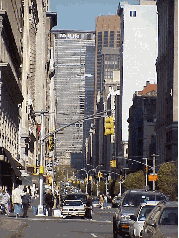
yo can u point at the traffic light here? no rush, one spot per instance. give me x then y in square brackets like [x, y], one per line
[50, 180]
[113, 163]
[109, 126]
[31, 169]
[146, 169]
[51, 143]
[100, 175]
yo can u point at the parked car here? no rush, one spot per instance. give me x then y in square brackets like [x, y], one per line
[162, 221]
[138, 219]
[115, 201]
[72, 208]
[128, 205]
[95, 202]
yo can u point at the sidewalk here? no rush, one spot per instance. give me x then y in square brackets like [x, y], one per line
[56, 214]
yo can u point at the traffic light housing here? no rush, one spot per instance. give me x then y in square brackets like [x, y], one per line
[100, 175]
[113, 163]
[109, 126]
[31, 169]
[51, 143]
[146, 169]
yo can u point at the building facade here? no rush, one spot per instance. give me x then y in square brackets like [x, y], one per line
[107, 87]
[10, 90]
[25, 28]
[142, 122]
[167, 80]
[71, 51]
[36, 80]
[140, 48]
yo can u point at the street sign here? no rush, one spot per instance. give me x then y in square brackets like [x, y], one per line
[152, 177]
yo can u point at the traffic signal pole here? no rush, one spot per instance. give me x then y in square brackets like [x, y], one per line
[42, 138]
[40, 206]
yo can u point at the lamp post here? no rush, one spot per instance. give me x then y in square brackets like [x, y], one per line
[87, 180]
[41, 169]
[98, 181]
[146, 167]
[154, 170]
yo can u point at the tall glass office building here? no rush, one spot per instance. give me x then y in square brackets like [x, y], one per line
[74, 71]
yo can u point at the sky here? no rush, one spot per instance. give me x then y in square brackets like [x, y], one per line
[80, 15]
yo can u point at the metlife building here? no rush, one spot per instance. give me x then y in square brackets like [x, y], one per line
[74, 89]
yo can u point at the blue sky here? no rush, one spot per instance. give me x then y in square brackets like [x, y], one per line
[80, 15]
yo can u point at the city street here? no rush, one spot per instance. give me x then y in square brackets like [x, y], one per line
[99, 226]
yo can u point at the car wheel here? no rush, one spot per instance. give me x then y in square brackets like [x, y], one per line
[119, 236]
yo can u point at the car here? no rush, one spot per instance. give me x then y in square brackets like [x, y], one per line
[95, 202]
[115, 201]
[138, 219]
[162, 221]
[128, 205]
[72, 208]
[77, 196]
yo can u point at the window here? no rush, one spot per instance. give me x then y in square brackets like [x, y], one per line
[105, 38]
[111, 38]
[132, 13]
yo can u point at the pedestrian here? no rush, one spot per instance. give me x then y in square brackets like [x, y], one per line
[49, 201]
[5, 199]
[101, 201]
[17, 201]
[35, 201]
[88, 210]
[25, 202]
[105, 201]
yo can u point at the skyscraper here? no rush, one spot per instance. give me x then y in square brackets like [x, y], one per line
[107, 82]
[71, 49]
[140, 50]
[108, 36]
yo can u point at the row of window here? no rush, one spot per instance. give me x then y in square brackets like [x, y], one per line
[108, 39]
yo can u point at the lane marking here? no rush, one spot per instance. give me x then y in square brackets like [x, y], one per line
[93, 235]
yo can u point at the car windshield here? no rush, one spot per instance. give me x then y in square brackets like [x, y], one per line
[169, 216]
[73, 203]
[76, 197]
[96, 200]
[145, 212]
[134, 199]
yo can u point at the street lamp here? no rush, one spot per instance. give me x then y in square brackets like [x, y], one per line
[87, 180]
[98, 182]
[87, 176]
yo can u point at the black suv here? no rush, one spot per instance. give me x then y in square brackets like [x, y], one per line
[128, 204]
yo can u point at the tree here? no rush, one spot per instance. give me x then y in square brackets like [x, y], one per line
[117, 187]
[135, 180]
[64, 173]
[167, 181]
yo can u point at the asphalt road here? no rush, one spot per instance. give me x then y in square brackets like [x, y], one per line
[50, 227]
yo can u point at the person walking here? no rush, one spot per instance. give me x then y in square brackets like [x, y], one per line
[49, 201]
[17, 201]
[105, 201]
[101, 201]
[5, 199]
[34, 203]
[88, 210]
[25, 202]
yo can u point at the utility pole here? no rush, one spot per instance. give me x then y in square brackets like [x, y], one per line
[146, 172]
[106, 185]
[154, 170]
[41, 168]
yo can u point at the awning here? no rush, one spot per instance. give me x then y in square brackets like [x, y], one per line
[14, 163]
